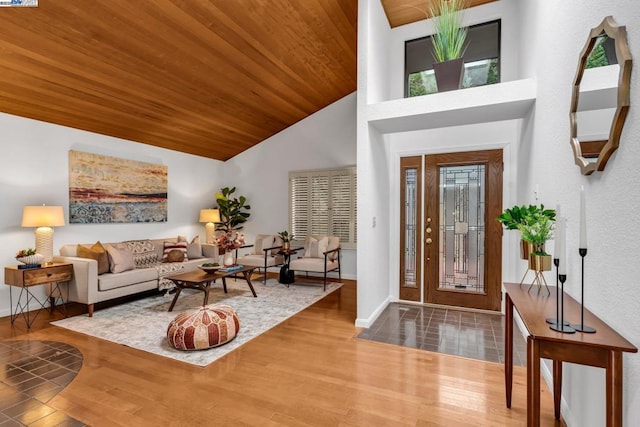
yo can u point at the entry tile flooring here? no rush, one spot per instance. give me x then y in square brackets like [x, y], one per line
[460, 333]
[31, 374]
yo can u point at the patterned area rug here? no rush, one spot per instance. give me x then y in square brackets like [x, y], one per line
[142, 324]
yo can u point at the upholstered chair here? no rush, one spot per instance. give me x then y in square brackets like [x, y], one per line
[321, 255]
[264, 253]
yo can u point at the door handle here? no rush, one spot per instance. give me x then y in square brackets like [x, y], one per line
[428, 240]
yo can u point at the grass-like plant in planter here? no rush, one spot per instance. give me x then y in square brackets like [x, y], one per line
[449, 42]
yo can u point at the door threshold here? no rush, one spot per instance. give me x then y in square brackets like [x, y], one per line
[450, 307]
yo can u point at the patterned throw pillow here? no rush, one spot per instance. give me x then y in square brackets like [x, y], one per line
[170, 246]
[144, 253]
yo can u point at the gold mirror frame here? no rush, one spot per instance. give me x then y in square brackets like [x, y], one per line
[619, 34]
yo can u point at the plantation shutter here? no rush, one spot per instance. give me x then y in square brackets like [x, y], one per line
[323, 202]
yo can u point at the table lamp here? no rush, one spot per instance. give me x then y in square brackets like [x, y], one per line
[43, 217]
[210, 216]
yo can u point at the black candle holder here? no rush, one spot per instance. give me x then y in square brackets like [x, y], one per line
[555, 320]
[560, 326]
[581, 326]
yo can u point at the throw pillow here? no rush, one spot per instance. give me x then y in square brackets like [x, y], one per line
[96, 252]
[261, 243]
[120, 259]
[316, 247]
[194, 249]
[334, 243]
[144, 252]
[169, 246]
[175, 255]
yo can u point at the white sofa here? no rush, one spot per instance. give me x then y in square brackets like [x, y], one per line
[88, 287]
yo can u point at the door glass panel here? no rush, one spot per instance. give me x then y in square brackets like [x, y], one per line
[462, 228]
[410, 228]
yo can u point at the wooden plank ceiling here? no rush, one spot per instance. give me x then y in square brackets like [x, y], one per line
[401, 12]
[210, 78]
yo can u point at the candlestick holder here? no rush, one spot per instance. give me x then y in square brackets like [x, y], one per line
[560, 326]
[581, 326]
[555, 320]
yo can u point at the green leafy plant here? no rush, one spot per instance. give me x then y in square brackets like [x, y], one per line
[233, 210]
[286, 237]
[450, 36]
[537, 230]
[535, 224]
[25, 252]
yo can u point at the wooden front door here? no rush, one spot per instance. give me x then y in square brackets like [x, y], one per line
[458, 254]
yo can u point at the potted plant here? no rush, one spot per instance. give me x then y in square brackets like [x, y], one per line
[448, 42]
[286, 239]
[527, 218]
[233, 210]
[536, 229]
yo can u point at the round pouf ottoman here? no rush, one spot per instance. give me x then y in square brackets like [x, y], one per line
[203, 328]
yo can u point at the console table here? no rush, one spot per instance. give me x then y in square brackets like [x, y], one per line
[602, 349]
[51, 274]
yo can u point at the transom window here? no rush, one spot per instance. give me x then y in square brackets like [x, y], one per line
[481, 66]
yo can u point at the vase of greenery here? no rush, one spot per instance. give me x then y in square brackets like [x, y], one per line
[449, 42]
[535, 224]
[286, 239]
[233, 210]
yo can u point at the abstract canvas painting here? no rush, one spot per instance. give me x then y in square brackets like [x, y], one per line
[105, 189]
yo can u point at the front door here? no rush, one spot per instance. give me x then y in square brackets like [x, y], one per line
[456, 239]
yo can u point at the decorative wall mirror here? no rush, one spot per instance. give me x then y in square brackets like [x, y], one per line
[600, 98]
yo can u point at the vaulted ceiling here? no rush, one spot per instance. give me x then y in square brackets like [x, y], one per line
[205, 77]
[401, 12]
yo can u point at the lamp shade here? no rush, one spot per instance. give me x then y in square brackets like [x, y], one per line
[42, 216]
[209, 215]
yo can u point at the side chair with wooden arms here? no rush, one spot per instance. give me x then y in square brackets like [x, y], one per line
[321, 255]
[264, 254]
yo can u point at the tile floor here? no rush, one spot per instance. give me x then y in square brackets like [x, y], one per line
[461, 333]
[31, 374]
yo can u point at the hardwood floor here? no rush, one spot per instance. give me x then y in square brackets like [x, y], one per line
[309, 370]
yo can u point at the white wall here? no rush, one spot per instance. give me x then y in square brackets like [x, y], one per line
[35, 171]
[326, 139]
[554, 33]
[373, 194]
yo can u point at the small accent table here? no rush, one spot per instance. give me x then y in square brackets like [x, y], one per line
[602, 349]
[287, 276]
[50, 274]
[202, 281]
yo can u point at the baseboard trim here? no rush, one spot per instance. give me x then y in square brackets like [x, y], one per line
[366, 323]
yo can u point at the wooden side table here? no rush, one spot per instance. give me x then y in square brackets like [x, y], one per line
[602, 349]
[24, 278]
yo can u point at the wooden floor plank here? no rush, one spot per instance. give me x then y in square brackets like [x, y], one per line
[310, 370]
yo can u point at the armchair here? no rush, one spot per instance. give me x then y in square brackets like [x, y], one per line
[321, 255]
[264, 254]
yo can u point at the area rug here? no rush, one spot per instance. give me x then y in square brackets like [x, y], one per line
[142, 324]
